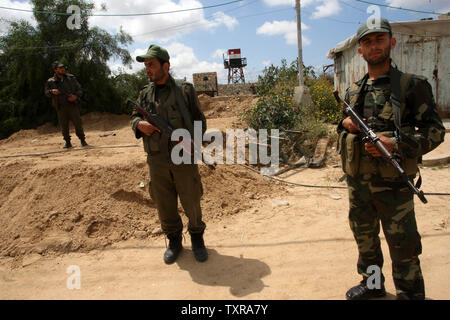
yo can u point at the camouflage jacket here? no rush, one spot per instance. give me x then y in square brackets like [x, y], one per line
[421, 127]
[69, 85]
[166, 105]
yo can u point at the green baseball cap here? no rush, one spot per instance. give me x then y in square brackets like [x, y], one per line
[367, 28]
[58, 64]
[154, 51]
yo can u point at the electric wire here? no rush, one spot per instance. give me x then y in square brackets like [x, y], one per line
[400, 8]
[122, 14]
[324, 187]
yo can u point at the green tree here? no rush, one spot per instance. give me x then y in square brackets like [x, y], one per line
[275, 79]
[27, 53]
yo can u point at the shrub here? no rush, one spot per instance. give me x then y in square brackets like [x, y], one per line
[327, 108]
[273, 111]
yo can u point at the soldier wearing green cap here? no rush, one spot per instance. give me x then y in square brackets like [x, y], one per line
[401, 109]
[177, 103]
[65, 92]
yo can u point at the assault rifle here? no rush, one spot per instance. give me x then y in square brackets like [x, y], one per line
[166, 131]
[370, 136]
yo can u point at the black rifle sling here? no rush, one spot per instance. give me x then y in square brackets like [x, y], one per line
[399, 85]
[360, 100]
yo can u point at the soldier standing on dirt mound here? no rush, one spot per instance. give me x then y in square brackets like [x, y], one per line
[409, 127]
[178, 105]
[65, 92]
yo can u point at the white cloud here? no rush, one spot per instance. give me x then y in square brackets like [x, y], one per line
[6, 16]
[286, 28]
[219, 53]
[442, 6]
[326, 9]
[323, 8]
[274, 3]
[266, 63]
[160, 27]
[149, 28]
[183, 62]
[222, 18]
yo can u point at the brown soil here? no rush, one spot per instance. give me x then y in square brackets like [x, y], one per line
[86, 207]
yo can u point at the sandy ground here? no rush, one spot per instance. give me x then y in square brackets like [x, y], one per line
[84, 208]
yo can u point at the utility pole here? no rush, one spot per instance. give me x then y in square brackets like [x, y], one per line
[302, 96]
[299, 39]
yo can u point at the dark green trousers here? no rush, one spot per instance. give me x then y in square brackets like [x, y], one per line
[373, 200]
[68, 113]
[167, 182]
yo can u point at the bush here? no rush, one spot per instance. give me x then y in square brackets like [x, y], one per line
[9, 126]
[327, 108]
[272, 111]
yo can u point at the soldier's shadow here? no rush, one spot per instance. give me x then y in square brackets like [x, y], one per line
[242, 275]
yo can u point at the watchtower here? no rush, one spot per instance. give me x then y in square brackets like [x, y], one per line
[235, 64]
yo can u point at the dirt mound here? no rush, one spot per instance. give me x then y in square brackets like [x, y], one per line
[224, 106]
[89, 198]
[77, 206]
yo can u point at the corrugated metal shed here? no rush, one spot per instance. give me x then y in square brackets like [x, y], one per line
[423, 48]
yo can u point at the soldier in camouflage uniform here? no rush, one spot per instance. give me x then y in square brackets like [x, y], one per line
[178, 105]
[409, 128]
[65, 92]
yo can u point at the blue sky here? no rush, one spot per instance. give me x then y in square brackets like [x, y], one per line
[265, 30]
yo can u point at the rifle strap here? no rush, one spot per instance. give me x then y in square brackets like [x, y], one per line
[359, 101]
[399, 85]
[180, 103]
[182, 107]
[419, 181]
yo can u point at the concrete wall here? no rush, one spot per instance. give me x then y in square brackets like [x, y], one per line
[237, 89]
[205, 82]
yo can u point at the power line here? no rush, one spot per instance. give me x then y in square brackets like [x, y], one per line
[399, 8]
[45, 47]
[328, 18]
[196, 23]
[123, 14]
[356, 8]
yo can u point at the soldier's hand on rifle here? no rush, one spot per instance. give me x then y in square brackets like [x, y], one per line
[72, 98]
[146, 128]
[370, 147]
[350, 125]
[55, 92]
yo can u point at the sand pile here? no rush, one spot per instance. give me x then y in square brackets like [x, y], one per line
[224, 106]
[89, 199]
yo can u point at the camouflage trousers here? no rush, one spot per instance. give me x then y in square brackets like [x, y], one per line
[373, 200]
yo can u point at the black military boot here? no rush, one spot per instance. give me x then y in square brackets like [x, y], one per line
[83, 143]
[175, 247]
[198, 247]
[362, 292]
[67, 145]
